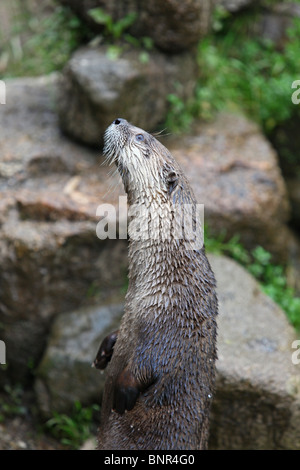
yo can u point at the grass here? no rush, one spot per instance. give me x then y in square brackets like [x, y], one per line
[241, 72]
[49, 44]
[72, 430]
[112, 29]
[52, 39]
[258, 262]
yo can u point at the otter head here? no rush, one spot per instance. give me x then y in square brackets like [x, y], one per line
[147, 168]
[153, 180]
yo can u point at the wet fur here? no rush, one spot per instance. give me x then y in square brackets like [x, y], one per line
[163, 361]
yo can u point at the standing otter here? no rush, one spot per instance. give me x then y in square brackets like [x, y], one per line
[161, 362]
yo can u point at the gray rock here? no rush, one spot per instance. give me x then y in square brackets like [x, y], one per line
[235, 174]
[174, 26]
[65, 374]
[51, 259]
[95, 89]
[236, 5]
[271, 20]
[257, 403]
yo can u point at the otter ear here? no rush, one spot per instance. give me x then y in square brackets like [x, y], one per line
[172, 180]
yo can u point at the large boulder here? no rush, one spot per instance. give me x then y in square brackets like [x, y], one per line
[96, 88]
[235, 173]
[174, 26]
[65, 374]
[293, 187]
[257, 402]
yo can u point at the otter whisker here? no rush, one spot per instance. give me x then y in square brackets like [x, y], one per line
[113, 184]
[161, 133]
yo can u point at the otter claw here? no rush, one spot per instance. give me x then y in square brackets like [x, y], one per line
[105, 351]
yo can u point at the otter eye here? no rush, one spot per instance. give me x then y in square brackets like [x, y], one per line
[140, 138]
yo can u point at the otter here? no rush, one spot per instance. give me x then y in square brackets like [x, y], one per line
[160, 364]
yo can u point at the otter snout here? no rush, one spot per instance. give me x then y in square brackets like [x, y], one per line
[118, 121]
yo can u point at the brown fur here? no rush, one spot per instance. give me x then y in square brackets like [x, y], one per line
[160, 378]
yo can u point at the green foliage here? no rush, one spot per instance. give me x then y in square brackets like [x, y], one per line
[114, 29]
[11, 403]
[51, 42]
[255, 78]
[180, 114]
[258, 262]
[240, 72]
[73, 430]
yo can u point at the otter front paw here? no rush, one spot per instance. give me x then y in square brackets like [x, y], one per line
[105, 351]
[127, 390]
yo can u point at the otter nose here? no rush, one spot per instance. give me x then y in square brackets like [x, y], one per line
[119, 121]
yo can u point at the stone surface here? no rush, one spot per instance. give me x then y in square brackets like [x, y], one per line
[65, 374]
[236, 5]
[267, 20]
[95, 89]
[51, 259]
[173, 25]
[273, 22]
[235, 174]
[257, 403]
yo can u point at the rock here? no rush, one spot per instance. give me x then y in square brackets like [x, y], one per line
[235, 174]
[65, 374]
[48, 268]
[273, 22]
[257, 402]
[51, 259]
[90, 444]
[236, 5]
[95, 89]
[174, 26]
